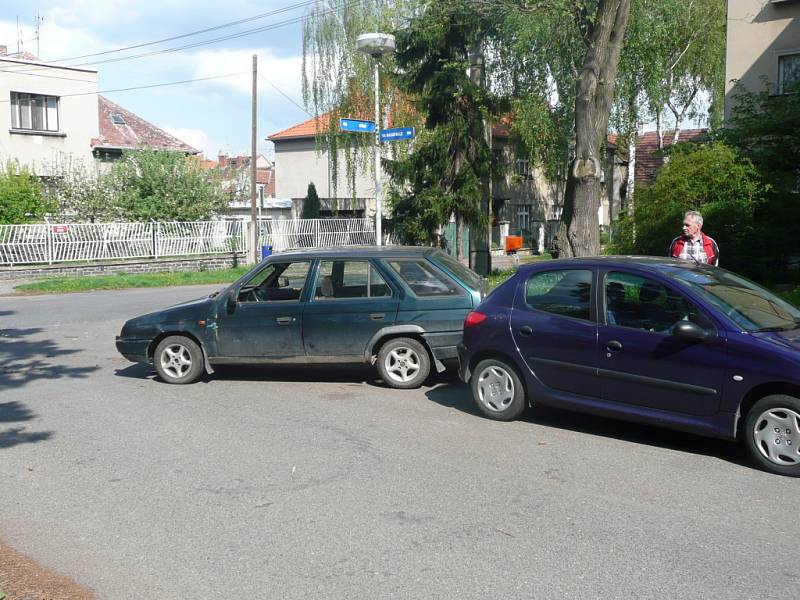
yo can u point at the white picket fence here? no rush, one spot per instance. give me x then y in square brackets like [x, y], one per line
[58, 243]
[315, 233]
[48, 243]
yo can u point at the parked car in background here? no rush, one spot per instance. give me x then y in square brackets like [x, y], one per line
[650, 340]
[401, 308]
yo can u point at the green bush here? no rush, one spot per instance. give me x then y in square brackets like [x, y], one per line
[711, 178]
[21, 199]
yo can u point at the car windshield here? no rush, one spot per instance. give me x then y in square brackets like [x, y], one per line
[466, 275]
[749, 305]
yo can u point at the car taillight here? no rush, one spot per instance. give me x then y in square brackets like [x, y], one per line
[474, 318]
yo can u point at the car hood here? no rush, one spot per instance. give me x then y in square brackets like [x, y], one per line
[185, 311]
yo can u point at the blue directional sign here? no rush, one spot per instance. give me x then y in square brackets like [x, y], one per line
[357, 125]
[398, 133]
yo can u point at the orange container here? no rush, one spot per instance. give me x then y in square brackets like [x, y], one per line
[513, 243]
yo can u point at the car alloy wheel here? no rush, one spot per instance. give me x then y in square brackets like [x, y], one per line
[178, 359]
[776, 434]
[771, 433]
[404, 363]
[497, 390]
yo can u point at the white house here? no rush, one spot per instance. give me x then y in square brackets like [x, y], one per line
[51, 112]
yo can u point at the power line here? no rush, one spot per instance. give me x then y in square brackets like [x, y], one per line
[152, 85]
[285, 95]
[189, 34]
[188, 46]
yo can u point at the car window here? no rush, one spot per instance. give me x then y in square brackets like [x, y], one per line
[349, 279]
[641, 303]
[276, 282]
[465, 274]
[424, 279]
[749, 305]
[564, 292]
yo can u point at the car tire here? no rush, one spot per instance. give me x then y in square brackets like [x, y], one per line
[772, 434]
[497, 390]
[178, 359]
[403, 363]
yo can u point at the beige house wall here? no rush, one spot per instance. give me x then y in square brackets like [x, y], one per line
[759, 31]
[77, 114]
[298, 163]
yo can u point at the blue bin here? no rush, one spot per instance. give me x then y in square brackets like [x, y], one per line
[266, 251]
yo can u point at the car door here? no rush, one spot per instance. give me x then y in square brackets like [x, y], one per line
[642, 363]
[554, 328]
[265, 320]
[350, 301]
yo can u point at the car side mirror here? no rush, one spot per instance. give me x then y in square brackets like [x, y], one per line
[691, 332]
[283, 282]
[231, 302]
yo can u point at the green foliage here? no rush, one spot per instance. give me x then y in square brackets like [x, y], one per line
[21, 198]
[711, 178]
[83, 191]
[451, 157]
[311, 203]
[164, 186]
[765, 128]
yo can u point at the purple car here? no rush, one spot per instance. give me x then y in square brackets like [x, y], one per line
[650, 340]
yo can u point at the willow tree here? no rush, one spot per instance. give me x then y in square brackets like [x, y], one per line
[338, 79]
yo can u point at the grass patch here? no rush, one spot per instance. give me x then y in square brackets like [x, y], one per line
[60, 285]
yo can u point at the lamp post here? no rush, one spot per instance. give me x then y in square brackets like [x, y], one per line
[376, 45]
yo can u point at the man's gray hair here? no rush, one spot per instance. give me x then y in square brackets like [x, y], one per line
[698, 218]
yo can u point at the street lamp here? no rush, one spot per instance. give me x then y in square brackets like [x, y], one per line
[376, 45]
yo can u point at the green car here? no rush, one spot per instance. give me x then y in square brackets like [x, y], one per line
[400, 308]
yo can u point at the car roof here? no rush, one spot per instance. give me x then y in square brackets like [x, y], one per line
[357, 252]
[663, 265]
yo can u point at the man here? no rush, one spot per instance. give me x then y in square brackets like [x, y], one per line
[693, 244]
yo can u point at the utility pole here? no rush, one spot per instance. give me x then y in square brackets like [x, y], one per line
[253, 133]
[480, 257]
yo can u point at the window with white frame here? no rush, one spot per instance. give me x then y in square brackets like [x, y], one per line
[524, 217]
[523, 168]
[788, 73]
[34, 112]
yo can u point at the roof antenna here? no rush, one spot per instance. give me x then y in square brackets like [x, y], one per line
[38, 19]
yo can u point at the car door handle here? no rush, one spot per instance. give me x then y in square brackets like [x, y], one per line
[377, 316]
[526, 330]
[284, 320]
[614, 346]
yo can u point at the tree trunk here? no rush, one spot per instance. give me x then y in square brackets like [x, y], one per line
[579, 231]
[459, 236]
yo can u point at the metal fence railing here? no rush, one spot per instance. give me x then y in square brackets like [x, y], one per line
[48, 243]
[315, 233]
[56, 243]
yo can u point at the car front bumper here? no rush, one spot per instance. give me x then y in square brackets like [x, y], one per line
[133, 350]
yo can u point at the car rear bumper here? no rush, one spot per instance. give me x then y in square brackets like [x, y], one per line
[133, 350]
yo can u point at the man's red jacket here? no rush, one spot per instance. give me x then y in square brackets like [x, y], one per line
[709, 245]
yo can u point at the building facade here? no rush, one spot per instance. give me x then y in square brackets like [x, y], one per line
[47, 112]
[763, 43]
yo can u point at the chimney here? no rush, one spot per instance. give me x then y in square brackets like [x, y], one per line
[3, 50]
[223, 161]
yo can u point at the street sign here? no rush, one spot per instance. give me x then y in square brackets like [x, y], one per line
[357, 125]
[60, 229]
[398, 133]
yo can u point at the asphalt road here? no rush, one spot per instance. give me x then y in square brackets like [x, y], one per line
[320, 483]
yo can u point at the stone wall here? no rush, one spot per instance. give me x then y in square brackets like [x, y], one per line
[197, 263]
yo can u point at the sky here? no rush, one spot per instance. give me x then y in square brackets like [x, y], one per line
[213, 116]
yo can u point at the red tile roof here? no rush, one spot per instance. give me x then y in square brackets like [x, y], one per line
[135, 132]
[648, 161]
[306, 129]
